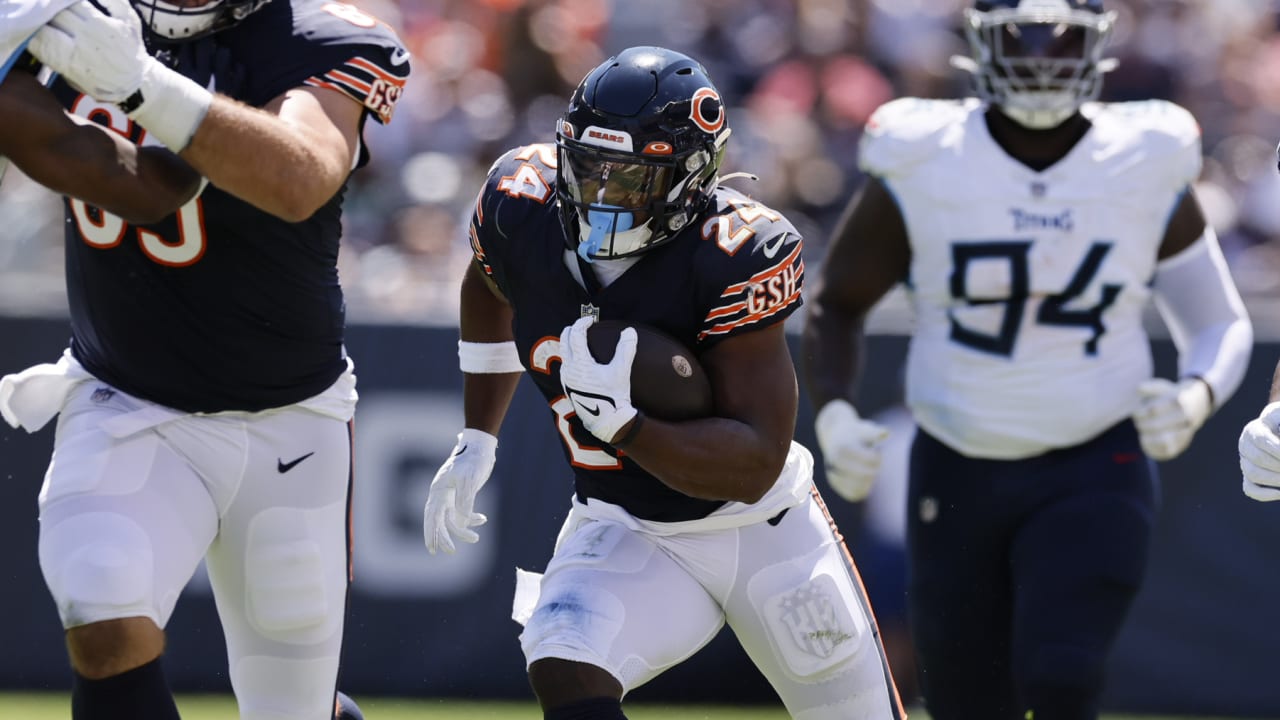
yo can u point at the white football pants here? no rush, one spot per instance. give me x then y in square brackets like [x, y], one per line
[637, 603]
[138, 494]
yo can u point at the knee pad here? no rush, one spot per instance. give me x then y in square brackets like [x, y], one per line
[98, 566]
[287, 577]
[573, 621]
[1062, 681]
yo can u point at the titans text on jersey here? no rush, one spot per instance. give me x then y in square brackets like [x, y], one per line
[222, 306]
[745, 273]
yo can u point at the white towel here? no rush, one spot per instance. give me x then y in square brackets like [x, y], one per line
[31, 398]
[19, 20]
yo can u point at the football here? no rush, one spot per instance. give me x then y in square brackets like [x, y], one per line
[667, 383]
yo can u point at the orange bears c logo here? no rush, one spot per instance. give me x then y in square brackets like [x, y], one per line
[706, 110]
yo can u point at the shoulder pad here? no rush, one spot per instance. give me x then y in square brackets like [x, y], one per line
[1167, 133]
[903, 132]
[526, 173]
[332, 45]
[520, 181]
[750, 267]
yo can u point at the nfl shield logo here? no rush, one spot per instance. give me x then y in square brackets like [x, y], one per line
[102, 395]
[590, 311]
[809, 615]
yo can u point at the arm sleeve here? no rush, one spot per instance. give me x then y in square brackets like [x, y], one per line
[1205, 315]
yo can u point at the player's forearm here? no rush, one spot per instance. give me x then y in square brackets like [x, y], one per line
[141, 185]
[486, 399]
[711, 459]
[78, 158]
[1206, 317]
[1275, 385]
[832, 344]
[264, 160]
[486, 352]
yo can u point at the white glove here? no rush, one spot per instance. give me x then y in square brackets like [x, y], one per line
[103, 55]
[1260, 455]
[601, 394]
[449, 511]
[850, 449]
[1169, 414]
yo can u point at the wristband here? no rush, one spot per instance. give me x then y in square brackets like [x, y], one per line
[488, 358]
[630, 434]
[169, 105]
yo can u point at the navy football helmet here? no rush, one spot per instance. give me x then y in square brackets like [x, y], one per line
[639, 152]
[179, 21]
[1038, 60]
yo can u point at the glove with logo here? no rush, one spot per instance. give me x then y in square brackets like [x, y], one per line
[600, 393]
[850, 448]
[1169, 414]
[449, 512]
[1260, 455]
[101, 53]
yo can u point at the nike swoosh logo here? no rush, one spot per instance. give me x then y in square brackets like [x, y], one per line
[771, 249]
[399, 56]
[460, 451]
[593, 409]
[284, 467]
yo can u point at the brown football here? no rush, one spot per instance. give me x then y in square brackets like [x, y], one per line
[667, 382]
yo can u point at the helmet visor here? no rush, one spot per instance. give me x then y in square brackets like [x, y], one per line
[1061, 41]
[608, 182]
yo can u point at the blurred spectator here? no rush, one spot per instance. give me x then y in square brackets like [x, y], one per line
[799, 76]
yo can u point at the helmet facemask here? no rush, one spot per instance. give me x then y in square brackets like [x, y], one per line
[180, 22]
[621, 202]
[1038, 62]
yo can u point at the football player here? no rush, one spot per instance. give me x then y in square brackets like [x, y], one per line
[675, 528]
[1031, 226]
[206, 397]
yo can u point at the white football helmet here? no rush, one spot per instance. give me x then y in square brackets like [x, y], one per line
[1037, 60]
[188, 21]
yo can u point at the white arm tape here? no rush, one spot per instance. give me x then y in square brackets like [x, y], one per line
[173, 106]
[1205, 316]
[483, 358]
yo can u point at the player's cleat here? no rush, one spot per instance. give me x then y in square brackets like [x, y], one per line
[344, 708]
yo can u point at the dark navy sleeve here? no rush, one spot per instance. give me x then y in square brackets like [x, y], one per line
[750, 269]
[520, 182]
[319, 43]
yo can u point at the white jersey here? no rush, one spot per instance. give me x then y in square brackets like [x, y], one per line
[1028, 287]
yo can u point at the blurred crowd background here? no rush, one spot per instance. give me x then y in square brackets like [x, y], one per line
[800, 78]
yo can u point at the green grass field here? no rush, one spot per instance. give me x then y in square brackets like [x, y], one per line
[54, 706]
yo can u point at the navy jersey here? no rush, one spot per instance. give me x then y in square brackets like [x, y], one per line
[222, 306]
[737, 269]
